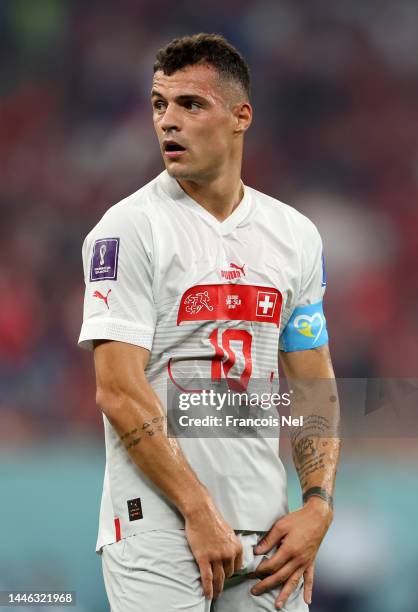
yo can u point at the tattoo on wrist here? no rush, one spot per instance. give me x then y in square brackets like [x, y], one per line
[318, 492]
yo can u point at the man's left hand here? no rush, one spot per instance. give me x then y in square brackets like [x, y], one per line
[298, 536]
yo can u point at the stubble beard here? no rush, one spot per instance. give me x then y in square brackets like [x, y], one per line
[177, 173]
[182, 173]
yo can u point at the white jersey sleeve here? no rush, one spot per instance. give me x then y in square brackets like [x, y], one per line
[306, 327]
[312, 287]
[118, 272]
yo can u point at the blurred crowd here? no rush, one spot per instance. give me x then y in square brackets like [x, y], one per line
[335, 93]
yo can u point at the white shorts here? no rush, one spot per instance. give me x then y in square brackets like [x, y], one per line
[155, 571]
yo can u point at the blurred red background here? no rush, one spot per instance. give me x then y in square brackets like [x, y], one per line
[335, 93]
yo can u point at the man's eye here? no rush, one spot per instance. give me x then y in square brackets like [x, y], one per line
[193, 105]
[159, 105]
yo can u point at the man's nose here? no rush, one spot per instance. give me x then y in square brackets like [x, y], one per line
[171, 119]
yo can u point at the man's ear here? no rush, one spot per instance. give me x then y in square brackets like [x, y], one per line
[243, 114]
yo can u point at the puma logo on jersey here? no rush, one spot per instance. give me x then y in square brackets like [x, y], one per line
[197, 301]
[236, 272]
[102, 297]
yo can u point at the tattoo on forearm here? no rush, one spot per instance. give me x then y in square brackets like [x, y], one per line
[148, 427]
[315, 445]
[316, 424]
[128, 433]
[310, 453]
[305, 449]
[308, 458]
[156, 424]
[134, 442]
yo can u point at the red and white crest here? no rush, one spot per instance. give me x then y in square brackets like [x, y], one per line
[266, 303]
[197, 301]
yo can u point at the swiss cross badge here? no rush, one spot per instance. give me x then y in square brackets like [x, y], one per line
[266, 303]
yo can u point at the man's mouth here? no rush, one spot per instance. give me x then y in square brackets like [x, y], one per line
[173, 149]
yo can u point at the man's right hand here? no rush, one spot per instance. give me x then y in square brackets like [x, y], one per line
[215, 546]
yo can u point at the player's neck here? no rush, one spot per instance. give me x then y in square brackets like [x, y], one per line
[219, 197]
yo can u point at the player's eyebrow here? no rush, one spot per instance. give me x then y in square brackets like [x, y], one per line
[180, 99]
[187, 97]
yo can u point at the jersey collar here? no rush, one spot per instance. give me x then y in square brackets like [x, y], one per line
[180, 197]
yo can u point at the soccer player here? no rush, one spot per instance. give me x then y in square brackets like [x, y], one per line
[197, 275]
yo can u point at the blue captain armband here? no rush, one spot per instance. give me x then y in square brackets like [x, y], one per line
[306, 329]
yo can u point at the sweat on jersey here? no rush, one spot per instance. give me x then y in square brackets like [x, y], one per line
[163, 273]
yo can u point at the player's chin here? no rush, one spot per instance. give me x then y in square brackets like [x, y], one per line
[178, 170]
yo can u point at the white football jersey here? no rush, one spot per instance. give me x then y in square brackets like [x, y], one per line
[210, 300]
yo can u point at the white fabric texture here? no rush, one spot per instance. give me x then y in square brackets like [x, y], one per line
[170, 246]
[156, 571]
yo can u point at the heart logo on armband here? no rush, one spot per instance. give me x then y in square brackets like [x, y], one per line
[307, 325]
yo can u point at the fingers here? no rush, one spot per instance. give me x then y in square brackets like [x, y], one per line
[207, 578]
[235, 563]
[218, 578]
[278, 561]
[308, 578]
[267, 584]
[228, 567]
[239, 559]
[272, 538]
[288, 588]
[281, 575]
[215, 567]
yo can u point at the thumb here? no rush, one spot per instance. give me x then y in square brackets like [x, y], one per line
[271, 539]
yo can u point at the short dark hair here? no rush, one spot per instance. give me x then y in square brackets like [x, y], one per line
[212, 49]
